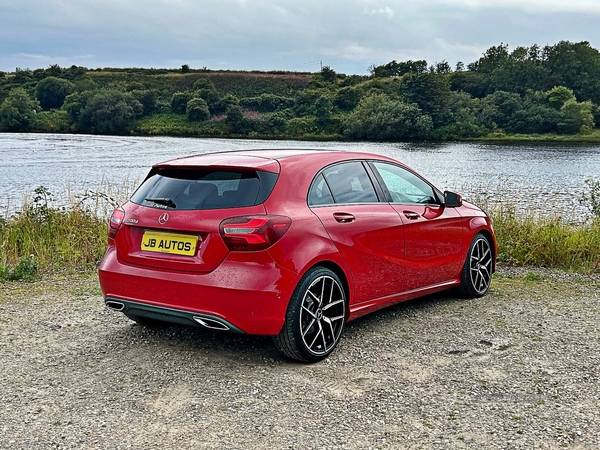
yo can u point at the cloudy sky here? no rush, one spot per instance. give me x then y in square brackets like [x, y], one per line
[347, 35]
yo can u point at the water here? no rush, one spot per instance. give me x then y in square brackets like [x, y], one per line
[547, 178]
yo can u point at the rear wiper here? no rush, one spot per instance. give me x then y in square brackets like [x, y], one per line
[162, 201]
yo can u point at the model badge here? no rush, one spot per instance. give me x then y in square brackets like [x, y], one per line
[162, 219]
[130, 221]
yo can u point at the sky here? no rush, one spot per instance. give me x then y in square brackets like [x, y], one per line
[300, 35]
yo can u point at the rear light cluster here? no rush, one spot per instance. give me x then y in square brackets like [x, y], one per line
[115, 222]
[248, 233]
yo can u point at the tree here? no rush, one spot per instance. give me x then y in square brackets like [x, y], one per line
[197, 110]
[397, 69]
[185, 68]
[431, 92]
[379, 117]
[51, 92]
[323, 107]
[328, 75]
[576, 117]
[18, 110]
[442, 67]
[109, 112]
[179, 101]
[558, 96]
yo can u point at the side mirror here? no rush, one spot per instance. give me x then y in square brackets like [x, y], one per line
[452, 200]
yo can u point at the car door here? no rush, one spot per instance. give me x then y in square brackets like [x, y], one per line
[367, 232]
[433, 232]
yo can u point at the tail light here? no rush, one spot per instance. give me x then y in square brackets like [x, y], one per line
[115, 222]
[250, 233]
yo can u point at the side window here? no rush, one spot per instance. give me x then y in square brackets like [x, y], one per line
[319, 193]
[349, 183]
[404, 186]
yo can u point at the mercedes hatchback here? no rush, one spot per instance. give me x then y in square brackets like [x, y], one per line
[289, 243]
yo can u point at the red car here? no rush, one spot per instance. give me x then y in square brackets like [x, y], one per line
[289, 243]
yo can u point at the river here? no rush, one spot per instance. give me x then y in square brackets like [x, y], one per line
[539, 177]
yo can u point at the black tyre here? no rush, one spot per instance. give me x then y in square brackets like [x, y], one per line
[477, 272]
[315, 317]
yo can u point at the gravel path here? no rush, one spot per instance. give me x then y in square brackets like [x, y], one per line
[519, 368]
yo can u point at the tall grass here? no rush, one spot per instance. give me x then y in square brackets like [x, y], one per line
[73, 237]
[49, 236]
[525, 240]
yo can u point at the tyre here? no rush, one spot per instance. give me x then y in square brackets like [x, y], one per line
[477, 271]
[315, 317]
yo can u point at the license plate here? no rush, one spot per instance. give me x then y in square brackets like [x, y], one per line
[174, 244]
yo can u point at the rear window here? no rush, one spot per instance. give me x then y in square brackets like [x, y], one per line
[204, 189]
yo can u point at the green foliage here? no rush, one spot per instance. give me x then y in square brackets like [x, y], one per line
[179, 102]
[527, 241]
[304, 104]
[430, 92]
[148, 99]
[328, 75]
[576, 117]
[25, 269]
[102, 111]
[396, 69]
[17, 111]
[50, 238]
[378, 117]
[55, 121]
[197, 110]
[267, 103]
[51, 92]
[323, 109]
[347, 98]
[558, 96]
[204, 83]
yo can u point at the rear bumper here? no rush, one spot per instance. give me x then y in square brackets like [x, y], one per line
[247, 292]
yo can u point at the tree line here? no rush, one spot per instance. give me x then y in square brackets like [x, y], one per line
[529, 90]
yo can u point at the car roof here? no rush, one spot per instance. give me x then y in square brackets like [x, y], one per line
[266, 159]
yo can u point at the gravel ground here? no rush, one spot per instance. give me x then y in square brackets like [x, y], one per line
[518, 368]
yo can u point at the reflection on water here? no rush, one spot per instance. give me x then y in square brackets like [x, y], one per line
[540, 177]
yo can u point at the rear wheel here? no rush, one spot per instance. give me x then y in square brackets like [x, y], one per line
[315, 317]
[477, 271]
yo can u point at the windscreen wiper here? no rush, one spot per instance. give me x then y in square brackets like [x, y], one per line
[162, 201]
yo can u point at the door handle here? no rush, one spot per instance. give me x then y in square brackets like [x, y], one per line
[411, 215]
[343, 217]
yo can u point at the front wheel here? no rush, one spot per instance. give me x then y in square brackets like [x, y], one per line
[477, 271]
[315, 317]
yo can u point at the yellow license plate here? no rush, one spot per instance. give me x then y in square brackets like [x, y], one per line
[174, 244]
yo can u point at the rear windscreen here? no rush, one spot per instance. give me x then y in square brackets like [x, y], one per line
[204, 189]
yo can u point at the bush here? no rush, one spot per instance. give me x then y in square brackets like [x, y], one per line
[197, 110]
[18, 110]
[51, 92]
[179, 102]
[381, 118]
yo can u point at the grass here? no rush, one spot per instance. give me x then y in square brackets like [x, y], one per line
[42, 237]
[524, 240]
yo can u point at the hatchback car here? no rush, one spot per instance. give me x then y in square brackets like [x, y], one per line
[289, 243]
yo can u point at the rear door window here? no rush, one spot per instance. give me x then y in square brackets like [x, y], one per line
[204, 189]
[347, 183]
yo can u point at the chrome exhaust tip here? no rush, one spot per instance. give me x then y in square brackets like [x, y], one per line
[211, 323]
[115, 306]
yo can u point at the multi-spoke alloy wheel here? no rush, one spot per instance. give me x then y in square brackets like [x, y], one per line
[315, 317]
[477, 272]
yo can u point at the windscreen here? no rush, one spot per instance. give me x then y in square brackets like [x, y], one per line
[193, 189]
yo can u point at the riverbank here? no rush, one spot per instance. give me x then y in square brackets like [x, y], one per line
[515, 369]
